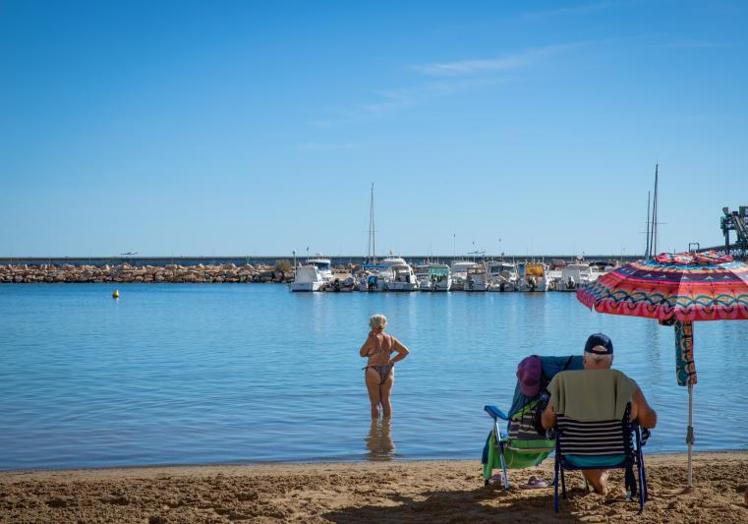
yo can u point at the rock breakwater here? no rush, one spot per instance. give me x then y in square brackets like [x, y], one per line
[224, 273]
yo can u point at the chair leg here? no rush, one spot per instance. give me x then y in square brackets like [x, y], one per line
[641, 494]
[643, 491]
[555, 486]
[504, 472]
[563, 483]
[644, 476]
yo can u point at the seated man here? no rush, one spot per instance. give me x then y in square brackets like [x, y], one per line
[598, 354]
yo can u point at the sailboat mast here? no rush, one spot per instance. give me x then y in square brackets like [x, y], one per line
[653, 242]
[372, 232]
[646, 251]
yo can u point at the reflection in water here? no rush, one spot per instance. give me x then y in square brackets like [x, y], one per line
[379, 441]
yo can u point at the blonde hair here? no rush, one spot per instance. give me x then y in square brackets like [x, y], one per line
[377, 320]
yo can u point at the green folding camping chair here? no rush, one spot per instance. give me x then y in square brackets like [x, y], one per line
[521, 446]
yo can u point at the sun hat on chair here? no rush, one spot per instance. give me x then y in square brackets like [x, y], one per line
[529, 372]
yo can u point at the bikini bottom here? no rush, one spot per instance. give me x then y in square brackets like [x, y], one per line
[384, 372]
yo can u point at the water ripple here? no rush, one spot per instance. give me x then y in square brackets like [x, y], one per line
[175, 374]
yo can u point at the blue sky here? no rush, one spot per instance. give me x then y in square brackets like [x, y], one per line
[233, 128]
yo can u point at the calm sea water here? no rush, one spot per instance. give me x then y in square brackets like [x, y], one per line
[173, 374]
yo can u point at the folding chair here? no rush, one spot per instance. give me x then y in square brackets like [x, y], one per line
[606, 444]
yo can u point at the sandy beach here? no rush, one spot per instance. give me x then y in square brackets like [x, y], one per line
[418, 491]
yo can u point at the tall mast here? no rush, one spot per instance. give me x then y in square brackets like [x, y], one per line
[646, 251]
[372, 232]
[653, 241]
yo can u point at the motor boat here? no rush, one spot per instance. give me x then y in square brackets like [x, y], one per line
[423, 277]
[398, 275]
[533, 277]
[575, 275]
[434, 277]
[459, 273]
[369, 278]
[502, 276]
[440, 277]
[313, 275]
[390, 274]
[337, 285]
[323, 265]
[476, 278]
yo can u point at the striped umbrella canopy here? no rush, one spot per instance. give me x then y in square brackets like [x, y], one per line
[684, 287]
[676, 290]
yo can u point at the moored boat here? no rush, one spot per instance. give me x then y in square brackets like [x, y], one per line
[533, 276]
[477, 278]
[502, 276]
[440, 276]
[398, 275]
[575, 275]
[459, 273]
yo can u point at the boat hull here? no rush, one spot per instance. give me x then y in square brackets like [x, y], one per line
[305, 287]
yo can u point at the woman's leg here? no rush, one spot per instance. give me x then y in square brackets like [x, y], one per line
[384, 394]
[372, 385]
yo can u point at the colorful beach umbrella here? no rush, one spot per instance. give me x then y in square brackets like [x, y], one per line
[675, 290]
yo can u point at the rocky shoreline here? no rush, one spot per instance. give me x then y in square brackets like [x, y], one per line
[224, 273]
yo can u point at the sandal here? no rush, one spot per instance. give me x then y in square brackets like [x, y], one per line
[536, 483]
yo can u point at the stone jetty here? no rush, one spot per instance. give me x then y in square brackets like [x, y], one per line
[126, 273]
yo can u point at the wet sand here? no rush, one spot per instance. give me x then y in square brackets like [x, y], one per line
[417, 491]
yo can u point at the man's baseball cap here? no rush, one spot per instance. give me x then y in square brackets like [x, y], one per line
[599, 344]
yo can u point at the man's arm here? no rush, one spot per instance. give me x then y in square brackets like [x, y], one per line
[642, 411]
[548, 417]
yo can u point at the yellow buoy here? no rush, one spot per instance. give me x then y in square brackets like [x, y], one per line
[115, 294]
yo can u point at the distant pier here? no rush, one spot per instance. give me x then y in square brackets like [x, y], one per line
[268, 260]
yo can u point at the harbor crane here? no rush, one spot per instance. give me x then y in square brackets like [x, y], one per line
[735, 221]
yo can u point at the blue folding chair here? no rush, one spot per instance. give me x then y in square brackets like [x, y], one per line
[610, 444]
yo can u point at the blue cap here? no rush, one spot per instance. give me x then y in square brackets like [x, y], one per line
[596, 342]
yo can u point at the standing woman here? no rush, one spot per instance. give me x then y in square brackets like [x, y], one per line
[379, 372]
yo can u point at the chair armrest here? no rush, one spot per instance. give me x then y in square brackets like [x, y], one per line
[644, 433]
[495, 412]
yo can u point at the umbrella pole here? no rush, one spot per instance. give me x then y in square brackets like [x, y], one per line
[689, 435]
[686, 374]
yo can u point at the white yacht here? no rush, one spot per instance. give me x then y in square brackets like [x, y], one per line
[323, 265]
[575, 275]
[477, 278]
[434, 277]
[502, 276]
[398, 275]
[459, 273]
[390, 274]
[313, 275]
[533, 276]
[422, 277]
[440, 276]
